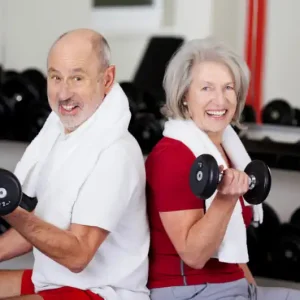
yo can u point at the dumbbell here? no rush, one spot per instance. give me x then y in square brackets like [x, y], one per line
[11, 195]
[205, 177]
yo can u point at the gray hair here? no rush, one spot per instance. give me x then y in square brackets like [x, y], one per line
[101, 45]
[178, 75]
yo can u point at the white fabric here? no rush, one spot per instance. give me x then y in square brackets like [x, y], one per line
[94, 176]
[233, 248]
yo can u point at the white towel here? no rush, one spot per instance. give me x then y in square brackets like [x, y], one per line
[108, 124]
[233, 248]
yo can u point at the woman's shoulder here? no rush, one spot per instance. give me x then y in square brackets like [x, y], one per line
[170, 152]
[169, 146]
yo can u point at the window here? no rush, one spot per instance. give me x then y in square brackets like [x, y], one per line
[101, 3]
[127, 16]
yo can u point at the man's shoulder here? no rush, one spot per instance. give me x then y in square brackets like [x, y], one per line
[123, 152]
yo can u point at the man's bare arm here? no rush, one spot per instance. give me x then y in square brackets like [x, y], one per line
[73, 248]
[13, 244]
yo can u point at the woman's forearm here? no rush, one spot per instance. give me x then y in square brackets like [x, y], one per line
[206, 235]
[247, 273]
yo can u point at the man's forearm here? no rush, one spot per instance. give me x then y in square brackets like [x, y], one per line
[60, 245]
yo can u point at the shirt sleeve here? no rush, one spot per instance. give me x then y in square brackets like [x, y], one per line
[107, 192]
[168, 172]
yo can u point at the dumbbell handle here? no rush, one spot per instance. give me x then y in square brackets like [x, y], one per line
[252, 180]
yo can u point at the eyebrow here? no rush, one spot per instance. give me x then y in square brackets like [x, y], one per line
[75, 70]
[226, 83]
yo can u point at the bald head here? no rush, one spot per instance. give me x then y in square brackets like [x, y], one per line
[88, 38]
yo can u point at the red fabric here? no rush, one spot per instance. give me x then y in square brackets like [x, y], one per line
[167, 170]
[27, 288]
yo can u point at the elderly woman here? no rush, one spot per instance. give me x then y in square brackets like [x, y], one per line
[206, 85]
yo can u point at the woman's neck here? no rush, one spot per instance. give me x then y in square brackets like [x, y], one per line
[216, 138]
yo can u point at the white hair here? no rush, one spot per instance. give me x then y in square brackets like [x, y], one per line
[178, 74]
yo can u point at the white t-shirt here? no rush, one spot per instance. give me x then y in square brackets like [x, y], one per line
[113, 198]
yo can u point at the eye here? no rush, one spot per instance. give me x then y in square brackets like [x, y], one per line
[55, 77]
[77, 78]
[206, 88]
[229, 87]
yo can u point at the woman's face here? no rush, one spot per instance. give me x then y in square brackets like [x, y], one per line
[211, 98]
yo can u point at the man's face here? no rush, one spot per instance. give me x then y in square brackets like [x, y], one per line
[76, 82]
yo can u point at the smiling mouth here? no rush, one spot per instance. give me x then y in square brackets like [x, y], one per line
[216, 113]
[69, 107]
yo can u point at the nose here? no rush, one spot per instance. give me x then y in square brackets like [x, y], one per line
[64, 92]
[220, 97]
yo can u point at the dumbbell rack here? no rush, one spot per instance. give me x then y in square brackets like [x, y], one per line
[278, 146]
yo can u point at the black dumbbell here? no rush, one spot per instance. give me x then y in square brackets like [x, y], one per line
[11, 195]
[205, 177]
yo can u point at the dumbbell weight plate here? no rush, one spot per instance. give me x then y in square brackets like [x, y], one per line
[278, 111]
[204, 176]
[262, 187]
[10, 192]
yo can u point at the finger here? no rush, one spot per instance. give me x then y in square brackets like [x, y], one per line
[246, 182]
[228, 178]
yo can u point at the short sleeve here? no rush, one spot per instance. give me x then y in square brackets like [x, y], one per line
[107, 192]
[167, 172]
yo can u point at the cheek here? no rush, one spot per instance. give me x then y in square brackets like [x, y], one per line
[51, 92]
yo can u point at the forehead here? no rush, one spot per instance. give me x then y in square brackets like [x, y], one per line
[212, 72]
[71, 56]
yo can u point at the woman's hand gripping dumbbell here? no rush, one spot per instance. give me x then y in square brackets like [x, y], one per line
[205, 177]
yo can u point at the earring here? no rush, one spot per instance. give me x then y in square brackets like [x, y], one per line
[185, 103]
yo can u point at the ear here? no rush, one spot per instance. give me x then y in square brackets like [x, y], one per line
[109, 78]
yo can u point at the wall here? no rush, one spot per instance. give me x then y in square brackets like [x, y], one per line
[282, 51]
[128, 46]
[31, 26]
[282, 60]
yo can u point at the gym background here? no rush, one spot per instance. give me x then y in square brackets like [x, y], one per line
[143, 36]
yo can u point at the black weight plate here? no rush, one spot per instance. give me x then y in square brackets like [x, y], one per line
[262, 187]
[204, 176]
[296, 117]
[286, 254]
[278, 111]
[10, 192]
[295, 218]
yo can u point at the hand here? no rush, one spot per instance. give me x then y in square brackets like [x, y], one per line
[234, 183]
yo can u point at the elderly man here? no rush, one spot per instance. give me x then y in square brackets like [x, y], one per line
[89, 231]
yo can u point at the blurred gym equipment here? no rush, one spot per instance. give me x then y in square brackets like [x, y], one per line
[262, 240]
[278, 111]
[151, 70]
[23, 104]
[145, 93]
[248, 115]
